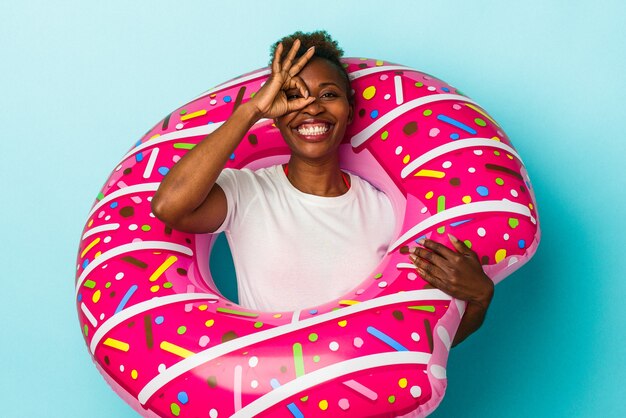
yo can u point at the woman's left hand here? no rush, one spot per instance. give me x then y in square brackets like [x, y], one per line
[457, 273]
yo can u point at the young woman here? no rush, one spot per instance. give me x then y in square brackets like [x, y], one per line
[267, 213]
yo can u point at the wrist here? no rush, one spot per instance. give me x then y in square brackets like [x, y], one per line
[483, 300]
[248, 113]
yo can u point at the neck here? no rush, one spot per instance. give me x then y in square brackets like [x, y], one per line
[319, 178]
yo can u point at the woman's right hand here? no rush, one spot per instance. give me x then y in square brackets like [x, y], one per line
[271, 100]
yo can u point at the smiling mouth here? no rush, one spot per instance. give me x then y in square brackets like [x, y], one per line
[313, 130]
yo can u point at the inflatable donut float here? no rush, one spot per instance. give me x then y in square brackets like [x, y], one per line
[171, 345]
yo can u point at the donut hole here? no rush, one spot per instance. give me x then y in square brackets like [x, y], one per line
[222, 269]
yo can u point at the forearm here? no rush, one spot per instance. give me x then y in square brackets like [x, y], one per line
[188, 183]
[472, 320]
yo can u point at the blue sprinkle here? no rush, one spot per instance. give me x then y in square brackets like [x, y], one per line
[210, 122]
[313, 311]
[80, 297]
[456, 123]
[113, 205]
[386, 339]
[295, 411]
[126, 297]
[445, 89]
[85, 263]
[227, 99]
[183, 397]
[138, 143]
[482, 190]
[274, 383]
[454, 136]
[420, 238]
[232, 156]
[163, 170]
[521, 243]
[374, 114]
[459, 222]
[159, 320]
[139, 157]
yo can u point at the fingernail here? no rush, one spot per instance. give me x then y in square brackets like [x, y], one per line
[413, 258]
[421, 241]
[404, 249]
[313, 47]
[453, 238]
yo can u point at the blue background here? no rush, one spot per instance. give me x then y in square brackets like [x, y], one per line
[80, 83]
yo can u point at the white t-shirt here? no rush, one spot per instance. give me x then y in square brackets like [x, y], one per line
[294, 250]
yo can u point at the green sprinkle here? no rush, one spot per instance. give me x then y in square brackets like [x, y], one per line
[427, 308]
[146, 228]
[183, 145]
[316, 359]
[427, 112]
[378, 276]
[181, 330]
[496, 153]
[107, 285]
[468, 243]
[499, 181]
[239, 313]
[90, 284]
[298, 360]
[513, 223]
[313, 337]
[175, 409]
[304, 398]
[183, 112]
[86, 330]
[100, 196]
[167, 285]
[258, 324]
[391, 398]
[480, 122]
[384, 135]
[418, 84]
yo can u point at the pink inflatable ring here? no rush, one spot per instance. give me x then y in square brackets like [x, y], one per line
[170, 345]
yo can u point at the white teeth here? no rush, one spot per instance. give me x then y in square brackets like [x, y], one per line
[313, 130]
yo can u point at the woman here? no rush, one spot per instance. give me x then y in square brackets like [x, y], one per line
[309, 97]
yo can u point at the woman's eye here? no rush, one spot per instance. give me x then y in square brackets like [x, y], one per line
[293, 96]
[329, 94]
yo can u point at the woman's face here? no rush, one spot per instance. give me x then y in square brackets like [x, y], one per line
[315, 132]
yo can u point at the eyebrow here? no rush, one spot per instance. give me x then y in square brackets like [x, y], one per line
[329, 84]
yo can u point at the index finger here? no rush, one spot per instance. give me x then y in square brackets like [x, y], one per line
[291, 55]
[438, 248]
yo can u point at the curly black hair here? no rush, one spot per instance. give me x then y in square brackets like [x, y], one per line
[325, 47]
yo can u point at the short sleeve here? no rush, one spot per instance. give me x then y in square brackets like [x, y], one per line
[239, 188]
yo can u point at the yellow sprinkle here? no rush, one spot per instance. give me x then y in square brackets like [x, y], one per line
[369, 92]
[90, 223]
[193, 115]
[117, 344]
[466, 199]
[89, 247]
[510, 157]
[155, 288]
[406, 159]
[154, 137]
[495, 138]
[379, 63]
[403, 382]
[431, 173]
[323, 404]
[277, 315]
[348, 302]
[174, 349]
[133, 374]
[166, 264]
[203, 307]
[429, 195]
[98, 254]
[209, 323]
[530, 205]
[500, 255]
[342, 323]
[96, 296]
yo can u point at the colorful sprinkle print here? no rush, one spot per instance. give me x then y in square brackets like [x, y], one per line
[159, 332]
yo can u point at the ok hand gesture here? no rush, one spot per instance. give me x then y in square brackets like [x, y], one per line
[271, 100]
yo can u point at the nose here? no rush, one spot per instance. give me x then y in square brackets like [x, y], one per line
[314, 108]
